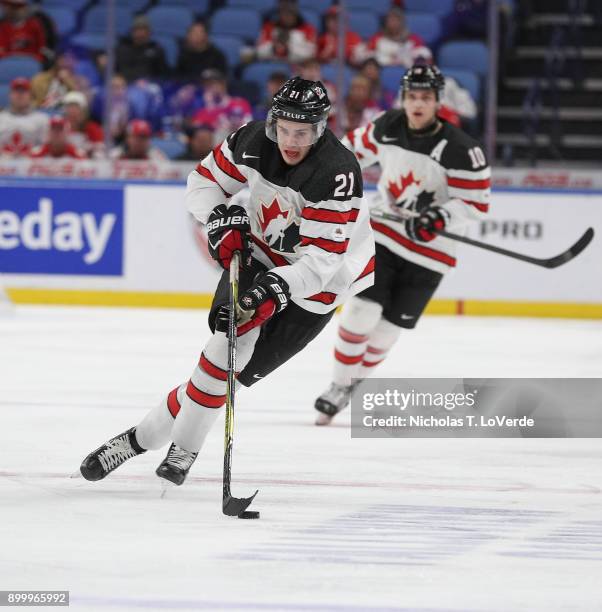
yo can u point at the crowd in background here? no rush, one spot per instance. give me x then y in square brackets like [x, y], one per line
[194, 104]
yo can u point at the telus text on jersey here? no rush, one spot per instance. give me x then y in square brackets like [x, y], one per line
[68, 231]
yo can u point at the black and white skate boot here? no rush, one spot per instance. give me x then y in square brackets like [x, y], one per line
[176, 465]
[332, 401]
[111, 455]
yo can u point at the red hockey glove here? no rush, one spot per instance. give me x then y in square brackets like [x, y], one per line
[424, 228]
[268, 295]
[228, 231]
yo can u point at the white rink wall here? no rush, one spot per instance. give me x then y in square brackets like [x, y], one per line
[112, 239]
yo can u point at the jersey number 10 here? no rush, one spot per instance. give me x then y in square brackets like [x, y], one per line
[477, 157]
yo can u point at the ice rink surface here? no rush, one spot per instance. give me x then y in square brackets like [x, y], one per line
[347, 524]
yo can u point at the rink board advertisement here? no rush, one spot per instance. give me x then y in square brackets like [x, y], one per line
[137, 245]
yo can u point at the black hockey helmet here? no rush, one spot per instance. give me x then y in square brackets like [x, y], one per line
[301, 101]
[423, 76]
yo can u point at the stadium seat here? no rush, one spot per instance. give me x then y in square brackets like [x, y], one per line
[88, 70]
[242, 22]
[466, 79]
[74, 5]
[464, 55]
[365, 23]
[432, 7]
[4, 90]
[95, 20]
[18, 66]
[170, 46]
[64, 19]
[381, 7]
[172, 20]
[198, 7]
[260, 72]
[320, 6]
[428, 27]
[259, 5]
[312, 18]
[91, 41]
[390, 77]
[136, 6]
[230, 47]
[171, 147]
[330, 73]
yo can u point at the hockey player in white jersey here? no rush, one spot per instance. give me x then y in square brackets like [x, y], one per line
[307, 246]
[429, 167]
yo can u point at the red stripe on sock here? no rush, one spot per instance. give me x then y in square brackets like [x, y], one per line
[346, 359]
[204, 399]
[212, 369]
[351, 337]
[172, 403]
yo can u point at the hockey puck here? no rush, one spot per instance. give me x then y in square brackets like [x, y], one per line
[249, 514]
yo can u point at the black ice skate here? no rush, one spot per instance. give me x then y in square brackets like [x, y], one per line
[111, 455]
[176, 465]
[332, 401]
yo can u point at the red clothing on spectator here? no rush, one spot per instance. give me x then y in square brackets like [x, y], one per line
[68, 151]
[389, 52]
[90, 138]
[26, 37]
[328, 45]
[295, 44]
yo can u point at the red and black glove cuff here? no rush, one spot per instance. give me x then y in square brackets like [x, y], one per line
[425, 227]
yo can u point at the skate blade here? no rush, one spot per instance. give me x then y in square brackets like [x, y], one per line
[166, 485]
[323, 419]
[77, 474]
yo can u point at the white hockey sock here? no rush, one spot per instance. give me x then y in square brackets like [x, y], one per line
[206, 391]
[154, 431]
[381, 341]
[357, 321]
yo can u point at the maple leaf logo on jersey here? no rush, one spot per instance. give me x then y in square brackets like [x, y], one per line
[280, 231]
[406, 191]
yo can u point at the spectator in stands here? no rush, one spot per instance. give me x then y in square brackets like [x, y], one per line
[138, 144]
[21, 127]
[370, 69]
[138, 56]
[395, 45]
[355, 49]
[200, 143]
[23, 32]
[84, 133]
[359, 108]
[120, 112]
[223, 112]
[273, 84]
[58, 144]
[50, 86]
[287, 36]
[198, 53]
[456, 103]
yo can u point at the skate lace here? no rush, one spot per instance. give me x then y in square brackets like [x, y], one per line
[180, 458]
[117, 451]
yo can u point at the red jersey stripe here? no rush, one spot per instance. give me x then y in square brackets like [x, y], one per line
[351, 337]
[276, 259]
[351, 136]
[468, 184]
[208, 175]
[172, 403]
[366, 142]
[368, 269]
[326, 297]
[478, 205]
[412, 246]
[326, 245]
[226, 166]
[324, 215]
[353, 214]
[212, 369]
[205, 399]
[346, 359]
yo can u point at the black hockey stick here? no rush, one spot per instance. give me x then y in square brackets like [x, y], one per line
[551, 262]
[232, 506]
